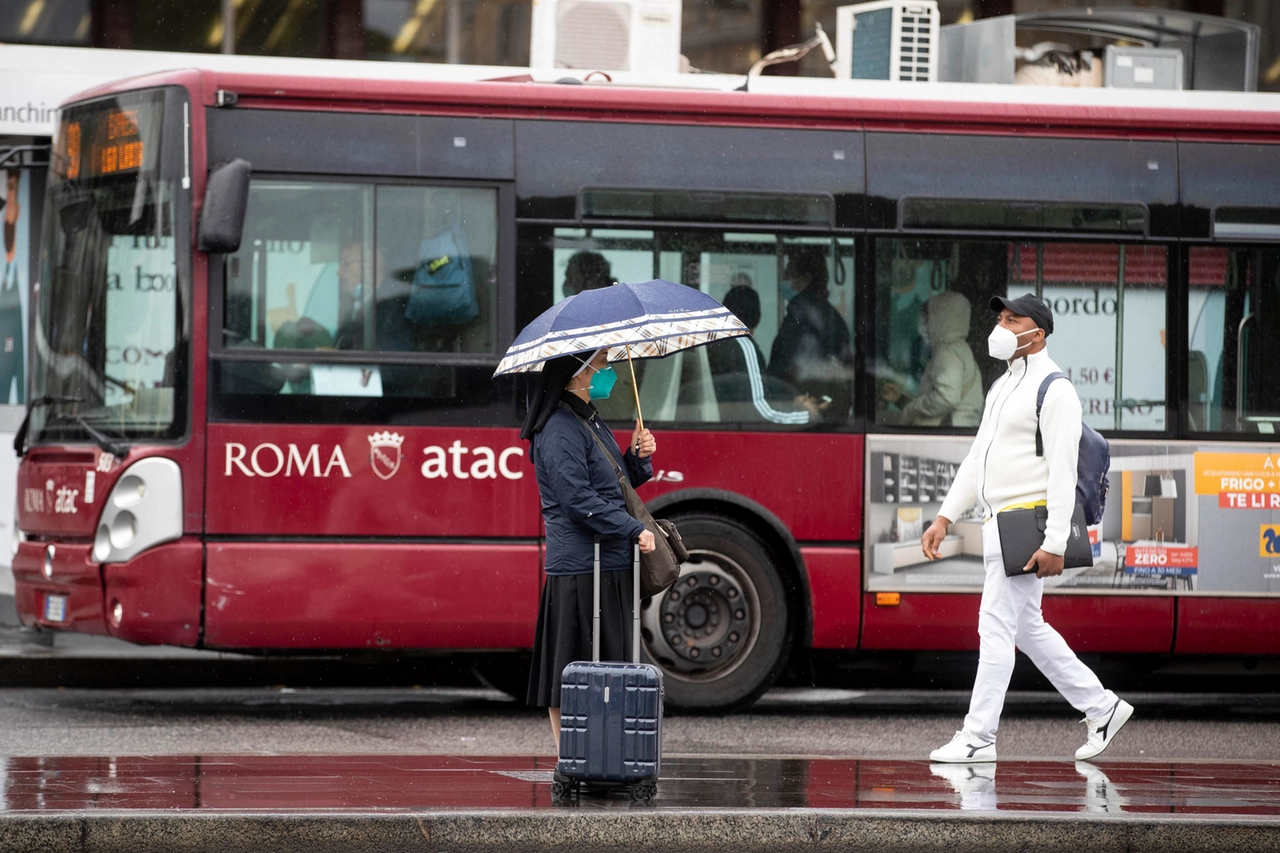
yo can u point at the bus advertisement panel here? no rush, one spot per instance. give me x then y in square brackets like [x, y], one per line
[1180, 518]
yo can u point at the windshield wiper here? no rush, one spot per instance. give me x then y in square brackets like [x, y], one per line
[117, 449]
[20, 437]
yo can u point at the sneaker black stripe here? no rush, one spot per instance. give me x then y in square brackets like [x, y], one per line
[1102, 730]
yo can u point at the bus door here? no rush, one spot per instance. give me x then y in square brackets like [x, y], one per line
[1233, 393]
[1232, 388]
[1248, 383]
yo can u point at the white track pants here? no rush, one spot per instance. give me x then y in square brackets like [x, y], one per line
[1010, 616]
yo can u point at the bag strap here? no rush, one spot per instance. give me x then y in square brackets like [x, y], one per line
[605, 450]
[635, 568]
[1044, 389]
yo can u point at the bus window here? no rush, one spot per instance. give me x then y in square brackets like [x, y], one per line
[933, 318]
[436, 269]
[1233, 339]
[334, 266]
[796, 369]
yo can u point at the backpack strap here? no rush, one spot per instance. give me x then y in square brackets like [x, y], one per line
[1044, 389]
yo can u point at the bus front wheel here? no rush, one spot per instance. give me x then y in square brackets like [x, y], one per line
[722, 633]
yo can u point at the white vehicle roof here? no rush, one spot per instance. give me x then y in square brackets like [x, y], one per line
[34, 81]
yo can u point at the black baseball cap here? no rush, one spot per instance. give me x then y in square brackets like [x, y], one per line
[1026, 306]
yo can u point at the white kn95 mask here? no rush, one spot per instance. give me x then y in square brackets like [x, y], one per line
[1002, 343]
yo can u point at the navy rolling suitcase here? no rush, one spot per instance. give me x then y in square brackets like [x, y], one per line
[610, 715]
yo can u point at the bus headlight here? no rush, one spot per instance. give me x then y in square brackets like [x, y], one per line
[143, 509]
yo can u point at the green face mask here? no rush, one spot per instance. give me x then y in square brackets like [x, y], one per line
[602, 384]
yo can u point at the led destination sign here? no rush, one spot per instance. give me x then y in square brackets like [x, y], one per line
[101, 142]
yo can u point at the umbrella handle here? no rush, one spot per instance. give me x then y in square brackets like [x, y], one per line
[635, 389]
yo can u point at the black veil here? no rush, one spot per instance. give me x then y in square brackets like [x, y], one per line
[551, 382]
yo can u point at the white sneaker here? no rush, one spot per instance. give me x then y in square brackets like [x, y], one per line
[1102, 730]
[964, 749]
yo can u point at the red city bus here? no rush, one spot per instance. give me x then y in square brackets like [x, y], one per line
[292, 441]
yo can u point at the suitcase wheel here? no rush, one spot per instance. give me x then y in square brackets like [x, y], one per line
[643, 792]
[562, 787]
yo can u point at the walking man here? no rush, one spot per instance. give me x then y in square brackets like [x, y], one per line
[1002, 471]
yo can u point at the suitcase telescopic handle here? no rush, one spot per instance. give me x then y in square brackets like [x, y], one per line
[595, 606]
[635, 604]
[635, 608]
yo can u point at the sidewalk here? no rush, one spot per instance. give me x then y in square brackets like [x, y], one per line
[440, 803]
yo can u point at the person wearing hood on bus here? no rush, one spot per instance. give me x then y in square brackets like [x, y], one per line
[581, 500]
[950, 391]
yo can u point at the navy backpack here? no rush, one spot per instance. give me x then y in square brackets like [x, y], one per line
[444, 290]
[1095, 461]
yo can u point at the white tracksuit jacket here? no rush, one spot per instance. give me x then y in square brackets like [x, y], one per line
[1002, 468]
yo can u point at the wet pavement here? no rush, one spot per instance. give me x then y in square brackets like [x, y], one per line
[875, 724]
[459, 769]
[318, 784]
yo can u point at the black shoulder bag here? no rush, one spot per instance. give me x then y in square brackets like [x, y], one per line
[660, 568]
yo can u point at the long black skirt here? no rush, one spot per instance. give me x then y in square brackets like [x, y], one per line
[564, 628]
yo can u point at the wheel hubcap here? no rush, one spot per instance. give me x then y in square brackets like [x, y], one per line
[705, 626]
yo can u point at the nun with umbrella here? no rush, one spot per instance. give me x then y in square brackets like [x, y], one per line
[575, 456]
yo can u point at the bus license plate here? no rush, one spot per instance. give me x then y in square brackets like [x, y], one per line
[55, 608]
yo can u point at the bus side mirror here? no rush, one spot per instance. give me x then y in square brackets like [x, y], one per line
[225, 198]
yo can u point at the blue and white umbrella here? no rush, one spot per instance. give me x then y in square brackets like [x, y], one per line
[646, 320]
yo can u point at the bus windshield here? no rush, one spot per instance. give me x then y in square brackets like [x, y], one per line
[107, 355]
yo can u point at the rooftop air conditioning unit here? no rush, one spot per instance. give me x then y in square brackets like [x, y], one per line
[888, 40]
[606, 35]
[1143, 67]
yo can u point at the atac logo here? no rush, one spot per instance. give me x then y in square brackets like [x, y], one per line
[384, 453]
[1269, 541]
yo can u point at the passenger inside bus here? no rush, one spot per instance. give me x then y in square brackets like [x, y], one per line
[812, 351]
[742, 388]
[744, 302]
[246, 377]
[307, 333]
[950, 390]
[586, 271]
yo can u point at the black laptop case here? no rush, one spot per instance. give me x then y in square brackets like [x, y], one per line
[1022, 534]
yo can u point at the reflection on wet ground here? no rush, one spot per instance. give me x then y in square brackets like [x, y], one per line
[381, 784]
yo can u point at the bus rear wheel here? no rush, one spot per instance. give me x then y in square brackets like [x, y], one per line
[722, 633]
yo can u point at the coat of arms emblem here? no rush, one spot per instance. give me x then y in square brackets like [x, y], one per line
[384, 453]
